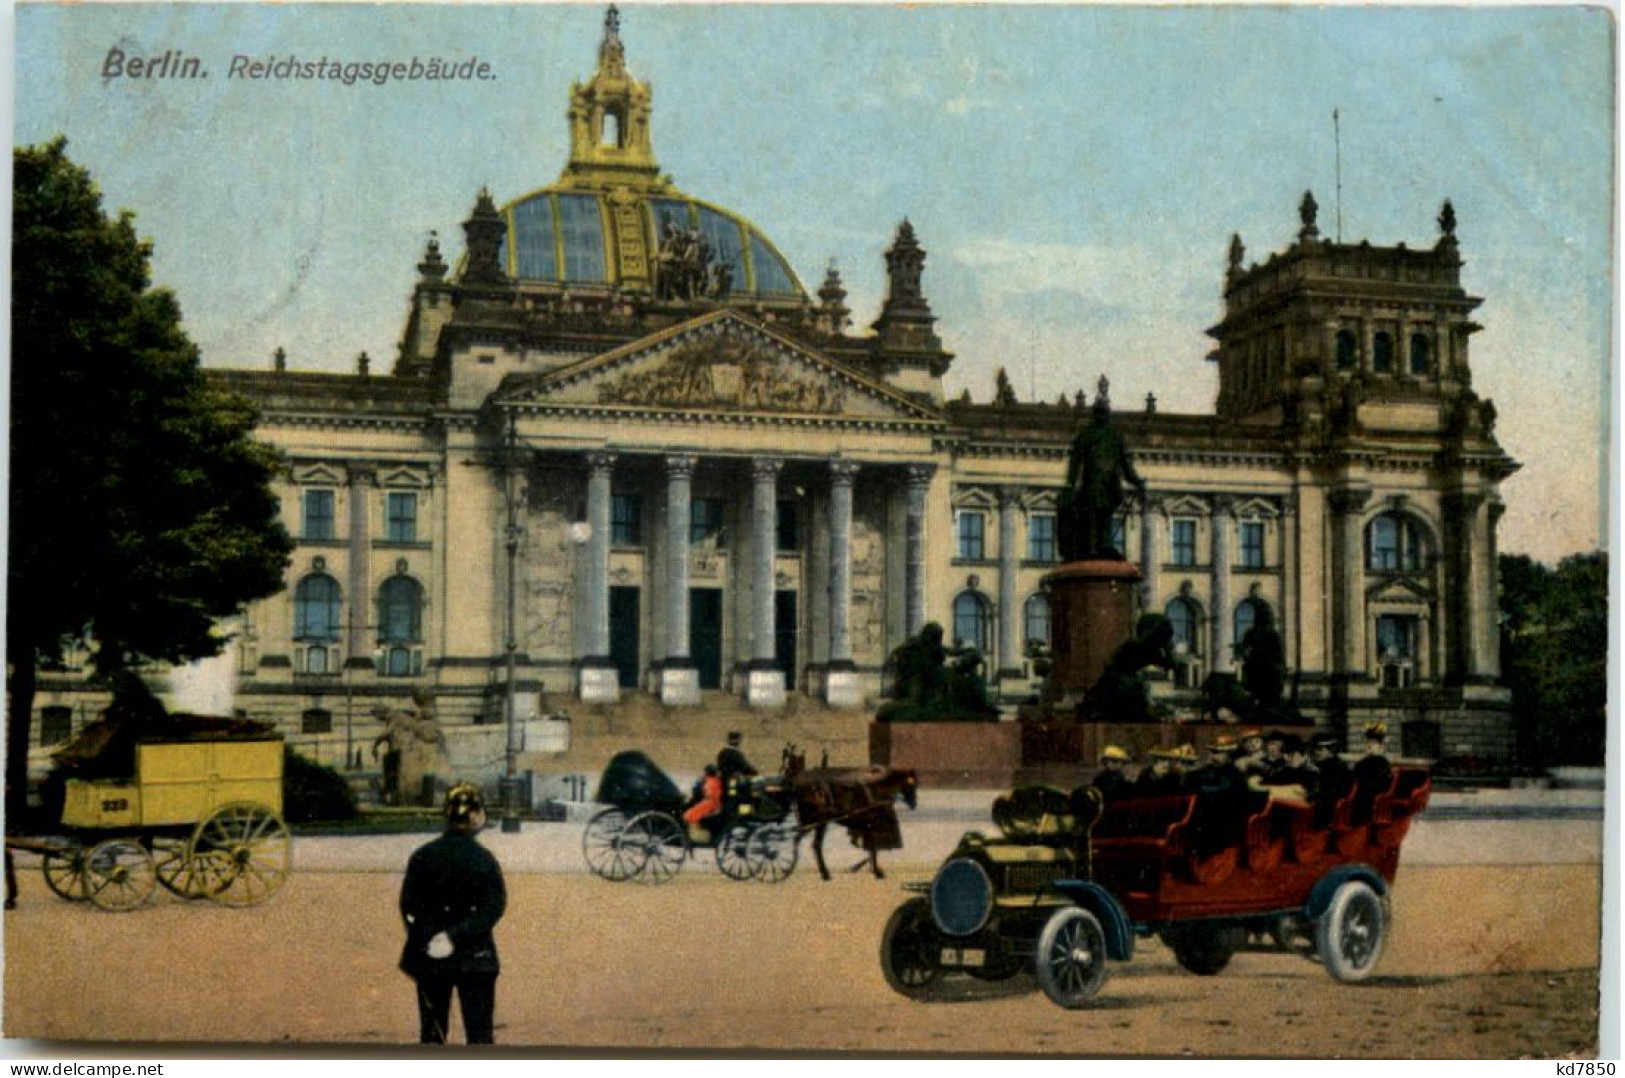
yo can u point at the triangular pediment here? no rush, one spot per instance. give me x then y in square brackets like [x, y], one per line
[1400, 589]
[723, 362]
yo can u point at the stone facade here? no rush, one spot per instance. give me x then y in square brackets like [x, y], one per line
[622, 436]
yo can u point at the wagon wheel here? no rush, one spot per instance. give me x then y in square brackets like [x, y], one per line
[774, 850]
[601, 846]
[177, 872]
[119, 874]
[1350, 935]
[65, 872]
[908, 951]
[657, 846]
[241, 854]
[733, 853]
[1071, 959]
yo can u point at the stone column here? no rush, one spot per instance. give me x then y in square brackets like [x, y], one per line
[764, 681]
[1349, 621]
[599, 681]
[919, 482]
[1490, 643]
[679, 677]
[1009, 664]
[1150, 524]
[841, 687]
[1222, 520]
[358, 654]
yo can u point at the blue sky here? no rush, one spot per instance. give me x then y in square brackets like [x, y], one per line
[1075, 173]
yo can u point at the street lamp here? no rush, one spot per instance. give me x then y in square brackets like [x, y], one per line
[510, 774]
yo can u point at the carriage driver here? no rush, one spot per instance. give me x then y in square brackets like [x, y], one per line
[731, 761]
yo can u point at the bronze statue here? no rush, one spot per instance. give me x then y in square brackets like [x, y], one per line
[927, 688]
[1120, 694]
[1263, 664]
[1095, 472]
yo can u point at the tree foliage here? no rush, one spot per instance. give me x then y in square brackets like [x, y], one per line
[1554, 656]
[141, 510]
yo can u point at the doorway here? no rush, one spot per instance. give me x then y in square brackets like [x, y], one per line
[784, 635]
[705, 634]
[623, 634]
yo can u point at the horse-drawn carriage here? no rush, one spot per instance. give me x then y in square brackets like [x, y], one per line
[641, 836]
[196, 809]
[757, 835]
[1072, 882]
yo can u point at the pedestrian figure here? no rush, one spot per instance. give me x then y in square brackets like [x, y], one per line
[452, 899]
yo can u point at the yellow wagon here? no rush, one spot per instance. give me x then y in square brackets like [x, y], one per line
[201, 815]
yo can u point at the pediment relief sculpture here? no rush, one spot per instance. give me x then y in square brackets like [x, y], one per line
[725, 372]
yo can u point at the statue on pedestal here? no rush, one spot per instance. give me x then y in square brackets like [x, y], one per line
[1096, 469]
[927, 687]
[1120, 693]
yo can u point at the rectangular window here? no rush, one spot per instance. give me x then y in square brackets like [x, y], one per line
[971, 527]
[1184, 542]
[402, 513]
[1041, 537]
[789, 532]
[55, 725]
[705, 522]
[318, 523]
[625, 520]
[1385, 544]
[316, 720]
[1397, 637]
[1252, 544]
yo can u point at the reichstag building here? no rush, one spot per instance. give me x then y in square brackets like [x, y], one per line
[624, 445]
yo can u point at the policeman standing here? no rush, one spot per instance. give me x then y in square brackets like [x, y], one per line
[452, 899]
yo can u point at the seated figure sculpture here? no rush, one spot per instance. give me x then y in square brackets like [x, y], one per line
[1120, 695]
[927, 688]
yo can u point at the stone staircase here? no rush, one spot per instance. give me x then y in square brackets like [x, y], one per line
[683, 740]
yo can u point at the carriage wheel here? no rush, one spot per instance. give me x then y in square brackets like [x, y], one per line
[1071, 959]
[733, 856]
[774, 850]
[601, 846]
[177, 872]
[65, 872]
[657, 845]
[119, 874]
[241, 854]
[908, 951]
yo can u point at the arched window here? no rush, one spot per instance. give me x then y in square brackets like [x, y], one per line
[400, 611]
[1395, 543]
[316, 608]
[1345, 350]
[1382, 353]
[1186, 620]
[1420, 358]
[1247, 615]
[971, 621]
[1035, 615]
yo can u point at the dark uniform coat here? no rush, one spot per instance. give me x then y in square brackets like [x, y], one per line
[1304, 776]
[730, 761]
[1112, 784]
[1150, 784]
[453, 885]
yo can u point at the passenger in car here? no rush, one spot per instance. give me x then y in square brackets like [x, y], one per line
[1372, 772]
[1251, 756]
[1333, 778]
[1164, 776]
[1112, 780]
[1295, 780]
[1222, 796]
[1274, 759]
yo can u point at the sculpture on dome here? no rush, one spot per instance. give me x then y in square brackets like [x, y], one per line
[1096, 469]
[687, 269]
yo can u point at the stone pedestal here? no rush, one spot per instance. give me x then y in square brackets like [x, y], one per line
[764, 686]
[679, 684]
[842, 686]
[600, 682]
[1091, 614]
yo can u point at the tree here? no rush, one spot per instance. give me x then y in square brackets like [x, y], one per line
[141, 510]
[1554, 656]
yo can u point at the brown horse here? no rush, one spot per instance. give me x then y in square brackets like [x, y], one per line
[859, 799]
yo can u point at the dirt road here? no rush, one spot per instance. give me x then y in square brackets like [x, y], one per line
[1484, 961]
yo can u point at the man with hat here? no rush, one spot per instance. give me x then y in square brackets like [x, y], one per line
[1333, 778]
[1372, 772]
[731, 761]
[452, 899]
[1251, 754]
[1274, 756]
[1295, 779]
[1220, 791]
[1164, 776]
[1112, 783]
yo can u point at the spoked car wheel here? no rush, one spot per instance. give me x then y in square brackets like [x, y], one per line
[177, 872]
[119, 874]
[1350, 935]
[657, 845]
[1071, 959]
[774, 850]
[241, 854]
[65, 872]
[602, 848]
[733, 856]
[909, 951]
